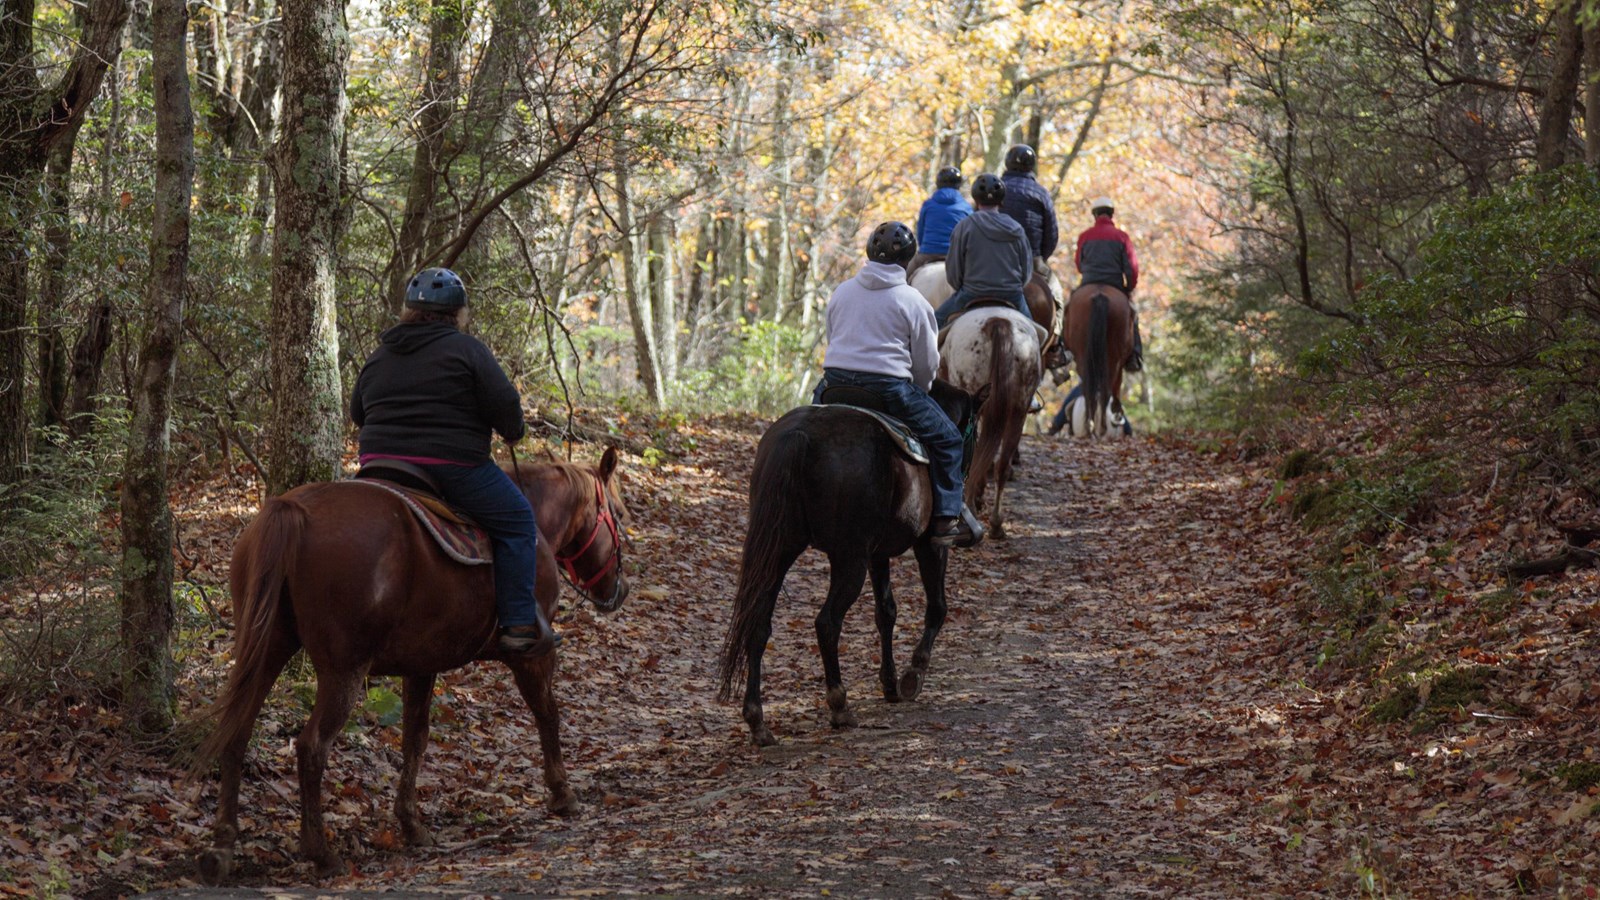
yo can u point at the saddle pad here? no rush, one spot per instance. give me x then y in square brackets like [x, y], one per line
[460, 540]
[905, 440]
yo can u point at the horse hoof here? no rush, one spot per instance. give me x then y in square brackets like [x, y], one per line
[563, 802]
[998, 532]
[215, 865]
[910, 685]
[762, 737]
[891, 691]
[843, 718]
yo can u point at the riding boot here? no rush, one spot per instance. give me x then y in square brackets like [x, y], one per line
[1135, 361]
[535, 639]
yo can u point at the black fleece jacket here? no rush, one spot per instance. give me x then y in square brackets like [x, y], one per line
[429, 390]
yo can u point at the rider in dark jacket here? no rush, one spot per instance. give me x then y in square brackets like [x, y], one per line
[430, 395]
[1029, 203]
[939, 216]
[1105, 256]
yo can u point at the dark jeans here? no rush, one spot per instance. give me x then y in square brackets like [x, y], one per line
[912, 405]
[487, 494]
[960, 299]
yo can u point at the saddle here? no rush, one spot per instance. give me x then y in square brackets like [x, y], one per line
[867, 403]
[458, 536]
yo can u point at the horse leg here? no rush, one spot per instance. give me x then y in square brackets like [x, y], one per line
[931, 561]
[536, 682]
[337, 694]
[756, 644]
[847, 573]
[216, 862]
[418, 693]
[1002, 475]
[885, 612]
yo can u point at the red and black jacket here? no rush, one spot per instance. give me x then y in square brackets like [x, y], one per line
[1105, 256]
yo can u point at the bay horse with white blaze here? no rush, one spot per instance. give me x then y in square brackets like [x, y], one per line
[345, 571]
[832, 478]
[994, 347]
[1098, 328]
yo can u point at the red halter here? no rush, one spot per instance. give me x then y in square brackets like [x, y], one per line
[569, 561]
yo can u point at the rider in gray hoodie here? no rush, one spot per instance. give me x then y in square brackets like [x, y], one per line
[989, 254]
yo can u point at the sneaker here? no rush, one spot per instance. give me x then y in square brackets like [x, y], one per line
[528, 640]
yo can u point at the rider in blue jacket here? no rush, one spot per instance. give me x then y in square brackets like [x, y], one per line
[939, 216]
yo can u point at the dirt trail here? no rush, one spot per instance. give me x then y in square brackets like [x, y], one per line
[1092, 724]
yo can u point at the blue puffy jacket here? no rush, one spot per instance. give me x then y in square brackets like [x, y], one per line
[1029, 203]
[939, 216]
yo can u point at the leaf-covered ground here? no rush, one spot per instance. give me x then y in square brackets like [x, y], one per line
[1130, 698]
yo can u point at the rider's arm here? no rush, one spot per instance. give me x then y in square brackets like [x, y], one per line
[358, 410]
[922, 222]
[497, 396]
[1051, 237]
[1133, 262]
[952, 261]
[1077, 257]
[924, 345]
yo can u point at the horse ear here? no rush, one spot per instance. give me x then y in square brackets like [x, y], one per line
[608, 464]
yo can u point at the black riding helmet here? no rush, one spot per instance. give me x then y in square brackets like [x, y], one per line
[437, 290]
[948, 177]
[892, 242]
[988, 189]
[1021, 158]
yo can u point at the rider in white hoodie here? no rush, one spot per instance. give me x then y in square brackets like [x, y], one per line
[881, 338]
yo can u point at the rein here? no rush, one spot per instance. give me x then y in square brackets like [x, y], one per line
[569, 561]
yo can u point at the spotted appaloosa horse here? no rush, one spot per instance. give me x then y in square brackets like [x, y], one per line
[831, 478]
[1098, 328]
[994, 347]
[345, 571]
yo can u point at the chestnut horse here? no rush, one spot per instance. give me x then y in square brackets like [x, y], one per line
[994, 346]
[345, 571]
[1098, 327]
[831, 478]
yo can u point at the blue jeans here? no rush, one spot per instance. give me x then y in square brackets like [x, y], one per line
[487, 494]
[912, 405]
[960, 299]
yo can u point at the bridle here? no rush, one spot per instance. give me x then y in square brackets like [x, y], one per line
[569, 561]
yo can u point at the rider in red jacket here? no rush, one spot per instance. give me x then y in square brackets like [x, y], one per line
[1105, 256]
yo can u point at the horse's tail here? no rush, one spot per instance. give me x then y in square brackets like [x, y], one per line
[1096, 382]
[1004, 405]
[263, 562]
[774, 511]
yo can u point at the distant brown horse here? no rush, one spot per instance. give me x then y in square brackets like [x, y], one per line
[993, 346]
[1098, 328]
[343, 570]
[1041, 293]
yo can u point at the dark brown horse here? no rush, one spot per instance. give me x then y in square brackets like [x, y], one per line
[1098, 327]
[343, 570]
[1041, 293]
[831, 478]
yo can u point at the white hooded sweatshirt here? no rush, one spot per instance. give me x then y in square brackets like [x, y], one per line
[879, 324]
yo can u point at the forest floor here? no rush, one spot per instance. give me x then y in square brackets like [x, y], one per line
[1129, 698]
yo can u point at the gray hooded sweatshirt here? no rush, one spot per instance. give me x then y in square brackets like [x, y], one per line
[989, 255]
[880, 325]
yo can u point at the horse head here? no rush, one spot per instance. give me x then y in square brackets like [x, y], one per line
[581, 511]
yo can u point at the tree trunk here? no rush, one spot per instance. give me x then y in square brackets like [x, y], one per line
[57, 245]
[664, 287]
[1555, 117]
[647, 362]
[146, 588]
[306, 430]
[441, 84]
[36, 118]
[1591, 96]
